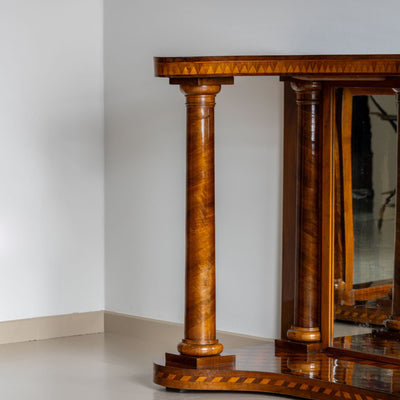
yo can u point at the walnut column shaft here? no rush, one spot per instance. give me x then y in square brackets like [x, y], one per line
[200, 332]
[306, 326]
[394, 320]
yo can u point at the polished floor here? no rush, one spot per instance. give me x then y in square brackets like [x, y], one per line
[102, 366]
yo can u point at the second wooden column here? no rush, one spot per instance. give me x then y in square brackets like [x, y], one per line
[306, 327]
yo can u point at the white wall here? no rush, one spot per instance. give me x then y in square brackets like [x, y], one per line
[145, 145]
[51, 158]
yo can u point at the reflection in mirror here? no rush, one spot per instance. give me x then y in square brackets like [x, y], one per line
[365, 184]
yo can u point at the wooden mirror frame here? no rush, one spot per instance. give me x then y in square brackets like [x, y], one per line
[346, 292]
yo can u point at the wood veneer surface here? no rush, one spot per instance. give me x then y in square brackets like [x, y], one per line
[278, 65]
[316, 376]
[312, 375]
[370, 346]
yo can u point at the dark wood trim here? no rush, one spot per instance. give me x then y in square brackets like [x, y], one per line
[307, 312]
[289, 207]
[327, 216]
[345, 171]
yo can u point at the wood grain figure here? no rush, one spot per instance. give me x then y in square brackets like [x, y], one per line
[306, 327]
[317, 207]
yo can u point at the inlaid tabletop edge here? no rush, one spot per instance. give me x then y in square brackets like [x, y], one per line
[350, 65]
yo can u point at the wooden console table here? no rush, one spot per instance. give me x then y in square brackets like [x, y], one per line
[304, 361]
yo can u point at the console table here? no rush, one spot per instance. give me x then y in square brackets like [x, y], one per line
[304, 362]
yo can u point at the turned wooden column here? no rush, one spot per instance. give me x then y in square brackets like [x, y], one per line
[394, 320]
[200, 332]
[306, 327]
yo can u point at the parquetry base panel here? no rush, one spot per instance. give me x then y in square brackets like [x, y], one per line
[316, 376]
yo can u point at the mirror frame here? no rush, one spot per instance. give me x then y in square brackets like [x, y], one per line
[346, 292]
[290, 208]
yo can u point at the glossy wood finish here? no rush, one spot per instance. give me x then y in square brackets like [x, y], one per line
[309, 229]
[345, 176]
[327, 215]
[290, 209]
[373, 290]
[314, 376]
[213, 362]
[372, 303]
[323, 67]
[200, 333]
[306, 327]
[394, 320]
[369, 346]
[374, 312]
[339, 240]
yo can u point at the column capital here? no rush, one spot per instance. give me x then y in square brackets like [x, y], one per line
[194, 90]
[307, 92]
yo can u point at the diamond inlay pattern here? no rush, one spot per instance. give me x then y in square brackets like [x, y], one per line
[317, 376]
[273, 65]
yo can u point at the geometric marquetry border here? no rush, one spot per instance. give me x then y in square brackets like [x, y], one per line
[234, 380]
[363, 315]
[277, 65]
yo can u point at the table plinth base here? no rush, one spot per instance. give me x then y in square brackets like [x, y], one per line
[296, 347]
[310, 376]
[213, 362]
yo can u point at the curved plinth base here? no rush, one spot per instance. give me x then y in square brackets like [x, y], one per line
[317, 376]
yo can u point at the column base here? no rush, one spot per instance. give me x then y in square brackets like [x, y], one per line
[200, 348]
[299, 334]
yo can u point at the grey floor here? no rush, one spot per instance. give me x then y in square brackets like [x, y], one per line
[110, 366]
[102, 366]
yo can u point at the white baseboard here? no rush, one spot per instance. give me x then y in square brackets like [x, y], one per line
[168, 332]
[24, 330]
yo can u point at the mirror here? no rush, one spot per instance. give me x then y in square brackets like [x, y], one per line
[365, 152]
